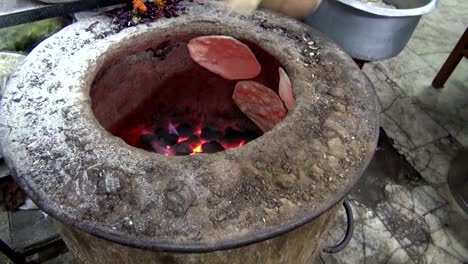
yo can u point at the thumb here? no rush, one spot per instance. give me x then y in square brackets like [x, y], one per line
[293, 8]
[243, 6]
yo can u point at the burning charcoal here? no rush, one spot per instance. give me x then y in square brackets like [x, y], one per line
[193, 140]
[185, 129]
[161, 132]
[251, 135]
[169, 140]
[232, 136]
[182, 149]
[210, 133]
[160, 149]
[212, 147]
[146, 141]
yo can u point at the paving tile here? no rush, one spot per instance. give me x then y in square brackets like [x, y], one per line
[433, 40]
[427, 39]
[5, 227]
[448, 231]
[399, 256]
[406, 62]
[4, 259]
[433, 160]
[416, 82]
[445, 240]
[435, 254]
[379, 241]
[402, 140]
[457, 127]
[399, 197]
[449, 106]
[449, 22]
[30, 227]
[407, 227]
[374, 73]
[449, 103]
[418, 126]
[400, 219]
[432, 46]
[66, 258]
[440, 30]
[385, 90]
[426, 199]
[437, 59]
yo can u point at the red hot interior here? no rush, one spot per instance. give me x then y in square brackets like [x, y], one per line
[160, 100]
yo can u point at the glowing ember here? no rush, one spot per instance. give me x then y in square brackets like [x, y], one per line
[167, 140]
[181, 139]
[197, 149]
[233, 145]
[242, 143]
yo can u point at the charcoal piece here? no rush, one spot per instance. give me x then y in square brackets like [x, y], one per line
[212, 147]
[250, 135]
[169, 139]
[211, 133]
[232, 136]
[160, 149]
[193, 140]
[182, 149]
[161, 132]
[185, 129]
[146, 141]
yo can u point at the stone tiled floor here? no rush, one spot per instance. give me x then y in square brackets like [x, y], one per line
[429, 126]
[399, 218]
[415, 220]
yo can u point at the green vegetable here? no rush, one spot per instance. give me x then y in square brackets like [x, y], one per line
[25, 37]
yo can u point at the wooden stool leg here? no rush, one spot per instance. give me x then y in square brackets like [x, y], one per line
[452, 61]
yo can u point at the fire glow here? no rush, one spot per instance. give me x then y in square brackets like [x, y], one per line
[186, 139]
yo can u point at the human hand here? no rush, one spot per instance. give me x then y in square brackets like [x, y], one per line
[293, 8]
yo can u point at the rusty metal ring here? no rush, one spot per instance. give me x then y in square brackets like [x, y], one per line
[349, 231]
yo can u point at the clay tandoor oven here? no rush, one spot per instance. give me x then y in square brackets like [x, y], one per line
[66, 113]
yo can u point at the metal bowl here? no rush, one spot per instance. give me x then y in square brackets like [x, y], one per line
[369, 32]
